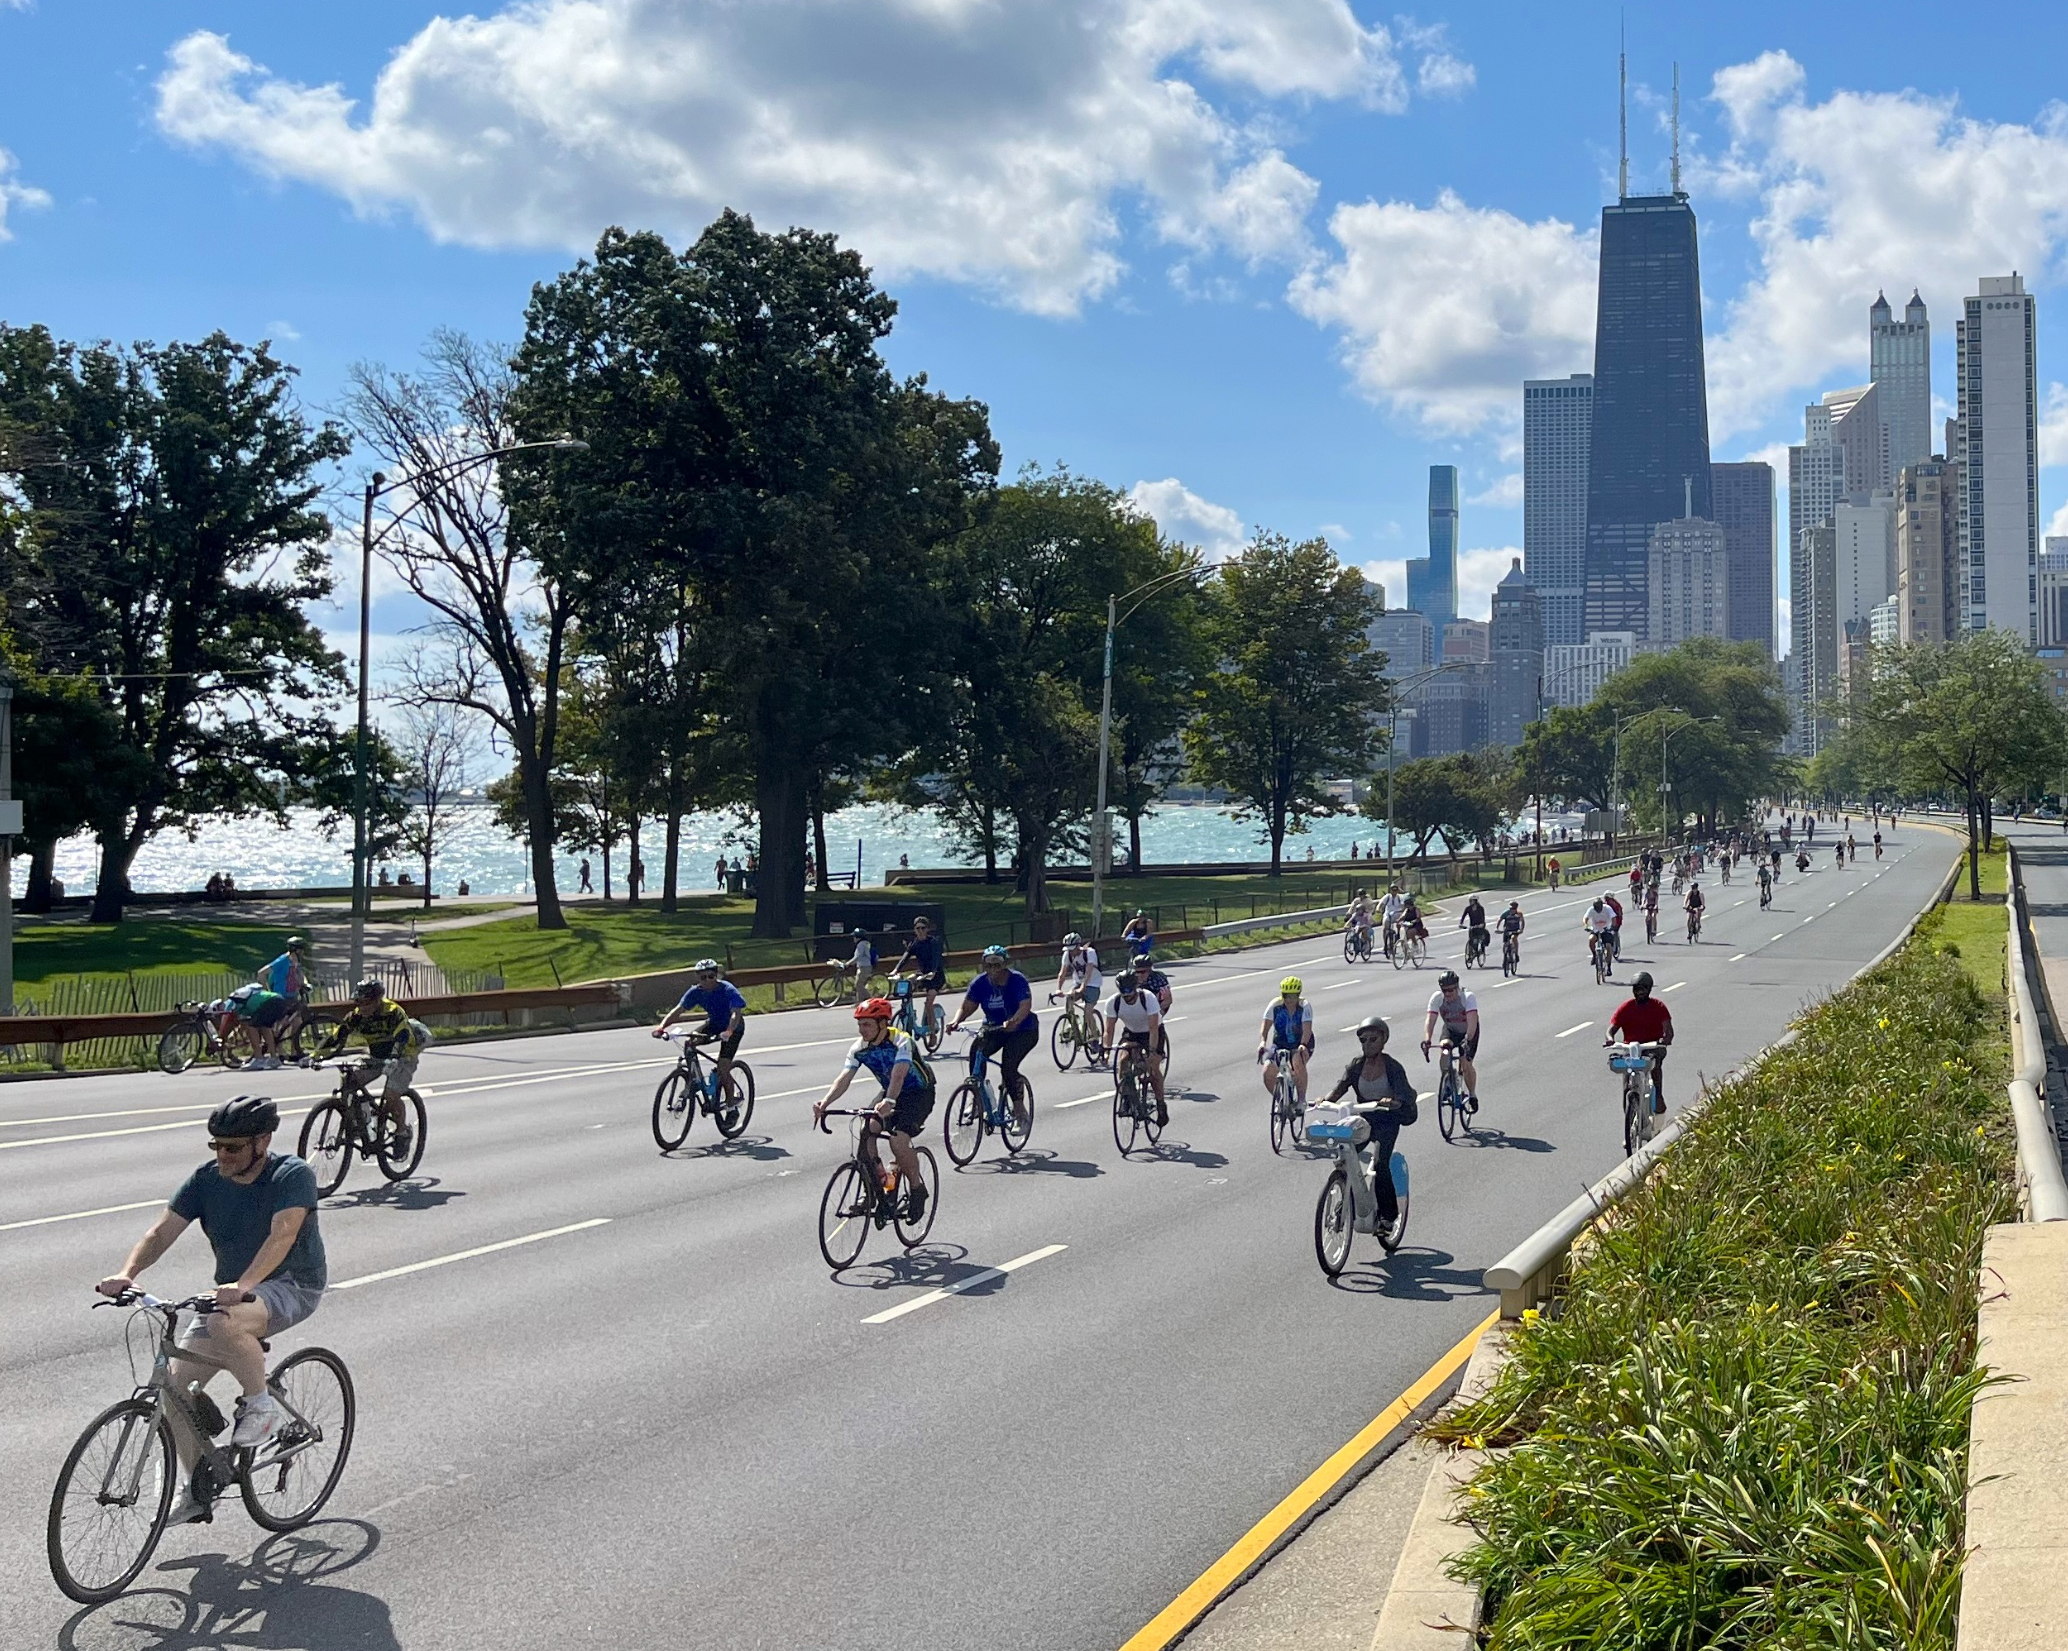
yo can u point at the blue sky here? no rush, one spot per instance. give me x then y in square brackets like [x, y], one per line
[1265, 260]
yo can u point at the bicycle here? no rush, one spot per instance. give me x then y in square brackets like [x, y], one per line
[1766, 895]
[114, 1492]
[1410, 948]
[1287, 1114]
[673, 1111]
[1651, 925]
[904, 993]
[838, 983]
[1390, 941]
[1349, 1202]
[1602, 950]
[354, 1120]
[204, 1030]
[1451, 1115]
[1511, 953]
[1694, 928]
[1134, 1107]
[1633, 1061]
[860, 1196]
[1075, 1028]
[1357, 943]
[976, 1110]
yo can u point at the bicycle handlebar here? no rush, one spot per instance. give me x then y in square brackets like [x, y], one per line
[133, 1297]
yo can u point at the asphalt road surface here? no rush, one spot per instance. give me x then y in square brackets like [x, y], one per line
[660, 1422]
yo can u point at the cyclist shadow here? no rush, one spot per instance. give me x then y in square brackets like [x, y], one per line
[1486, 1136]
[1033, 1161]
[928, 1264]
[277, 1600]
[419, 1193]
[1412, 1274]
[760, 1148]
[1168, 1151]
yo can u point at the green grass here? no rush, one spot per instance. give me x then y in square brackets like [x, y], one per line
[1748, 1424]
[1979, 935]
[1994, 870]
[143, 945]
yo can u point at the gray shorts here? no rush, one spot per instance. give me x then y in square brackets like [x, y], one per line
[286, 1302]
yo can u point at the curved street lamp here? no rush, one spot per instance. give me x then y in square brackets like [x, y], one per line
[377, 487]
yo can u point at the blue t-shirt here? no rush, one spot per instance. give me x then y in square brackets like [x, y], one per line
[879, 1058]
[925, 951]
[1000, 1002]
[719, 1004]
[238, 1219]
[1290, 1028]
[283, 975]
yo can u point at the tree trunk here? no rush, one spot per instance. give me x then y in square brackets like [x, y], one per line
[990, 846]
[672, 855]
[538, 821]
[632, 860]
[1277, 824]
[1988, 822]
[776, 798]
[818, 847]
[429, 820]
[1034, 866]
[795, 911]
[1974, 852]
[38, 895]
[112, 884]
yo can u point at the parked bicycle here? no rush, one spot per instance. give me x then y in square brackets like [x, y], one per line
[908, 995]
[977, 1108]
[1134, 1101]
[1636, 1064]
[837, 984]
[1451, 1115]
[1287, 1119]
[866, 1195]
[1074, 1028]
[687, 1091]
[114, 1492]
[1349, 1202]
[356, 1120]
[206, 1030]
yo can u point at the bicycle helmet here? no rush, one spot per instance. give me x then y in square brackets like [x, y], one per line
[1073, 938]
[1642, 985]
[1449, 977]
[1145, 960]
[875, 1008]
[243, 1116]
[1375, 1023]
[998, 952]
[707, 965]
[297, 943]
[922, 921]
[369, 987]
[1291, 986]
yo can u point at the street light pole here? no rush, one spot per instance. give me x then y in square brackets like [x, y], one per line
[1407, 686]
[10, 827]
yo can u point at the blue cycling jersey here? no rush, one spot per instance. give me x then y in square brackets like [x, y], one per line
[1290, 1028]
[719, 1003]
[878, 1059]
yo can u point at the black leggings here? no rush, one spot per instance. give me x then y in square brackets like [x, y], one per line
[1010, 1048]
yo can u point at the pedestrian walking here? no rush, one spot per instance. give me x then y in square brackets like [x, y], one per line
[588, 886]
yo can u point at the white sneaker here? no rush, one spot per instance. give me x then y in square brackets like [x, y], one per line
[189, 1510]
[258, 1418]
[262, 1063]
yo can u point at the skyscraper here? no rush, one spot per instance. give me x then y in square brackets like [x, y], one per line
[1557, 425]
[2053, 593]
[1840, 457]
[1864, 572]
[1928, 552]
[1650, 435]
[1818, 635]
[1900, 363]
[1998, 433]
[1404, 637]
[1742, 496]
[1432, 584]
[1517, 646]
[1689, 578]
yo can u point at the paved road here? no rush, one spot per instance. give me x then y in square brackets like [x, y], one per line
[673, 1427]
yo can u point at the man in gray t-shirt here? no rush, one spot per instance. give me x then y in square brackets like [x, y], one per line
[258, 1210]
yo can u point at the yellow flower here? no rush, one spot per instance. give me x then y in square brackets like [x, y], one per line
[1530, 1315]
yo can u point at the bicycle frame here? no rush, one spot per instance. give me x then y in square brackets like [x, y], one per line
[1364, 1197]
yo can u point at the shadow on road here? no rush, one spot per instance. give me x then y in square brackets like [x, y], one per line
[1411, 1274]
[1033, 1161]
[931, 1265]
[277, 1600]
[1179, 1152]
[425, 1192]
[761, 1148]
[1483, 1135]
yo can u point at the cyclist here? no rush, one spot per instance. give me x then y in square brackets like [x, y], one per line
[1651, 910]
[1694, 905]
[1597, 920]
[929, 971]
[257, 1208]
[1011, 1027]
[288, 974]
[893, 1059]
[1877, 839]
[1138, 1019]
[1155, 982]
[724, 1011]
[1766, 886]
[1140, 933]
[1473, 921]
[862, 964]
[1411, 924]
[1288, 1024]
[1636, 880]
[1642, 1018]
[1458, 1013]
[1381, 1083]
[1390, 909]
[1360, 916]
[1078, 976]
[1615, 931]
[393, 1044]
[1512, 925]
[266, 1013]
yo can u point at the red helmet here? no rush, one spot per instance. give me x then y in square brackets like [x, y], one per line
[876, 1008]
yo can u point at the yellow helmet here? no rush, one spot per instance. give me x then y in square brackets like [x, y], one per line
[1291, 985]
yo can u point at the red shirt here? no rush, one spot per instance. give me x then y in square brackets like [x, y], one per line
[1641, 1020]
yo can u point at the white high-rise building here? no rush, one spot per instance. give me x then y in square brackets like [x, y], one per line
[1864, 571]
[1690, 582]
[1557, 430]
[1997, 428]
[1885, 623]
[1900, 357]
[1574, 672]
[2053, 593]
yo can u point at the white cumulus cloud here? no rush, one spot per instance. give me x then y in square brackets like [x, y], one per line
[15, 194]
[1179, 513]
[993, 142]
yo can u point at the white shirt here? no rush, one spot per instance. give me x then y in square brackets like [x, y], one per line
[1453, 1014]
[1138, 1016]
[1081, 967]
[1390, 908]
[1599, 919]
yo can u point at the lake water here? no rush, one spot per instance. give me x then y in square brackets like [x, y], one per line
[303, 856]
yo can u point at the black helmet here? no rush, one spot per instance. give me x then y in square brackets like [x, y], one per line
[1449, 977]
[1144, 961]
[369, 987]
[1642, 985]
[243, 1116]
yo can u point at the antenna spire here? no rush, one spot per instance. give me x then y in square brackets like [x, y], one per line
[1622, 116]
[1676, 128]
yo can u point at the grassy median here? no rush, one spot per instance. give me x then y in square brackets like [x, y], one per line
[1747, 1423]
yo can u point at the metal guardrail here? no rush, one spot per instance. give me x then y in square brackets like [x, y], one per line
[2039, 1152]
[1528, 1274]
[1243, 925]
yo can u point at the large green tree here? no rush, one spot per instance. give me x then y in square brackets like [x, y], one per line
[1706, 718]
[1459, 796]
[749, 440]
[173, 549]
[1298, 692]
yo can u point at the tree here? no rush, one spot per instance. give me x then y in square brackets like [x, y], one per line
[498, 638]
[439, 747]
[1457, 796]
[1973, 716]
[71, 768]
[1569, 752]
[172, 551]
[1723, 704]
[750, 441]
[1298, 692]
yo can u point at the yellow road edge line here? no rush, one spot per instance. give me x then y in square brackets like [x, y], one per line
[1181, 1613]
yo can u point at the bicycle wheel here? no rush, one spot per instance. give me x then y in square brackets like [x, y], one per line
[1448, 1111]
[1017, 1127]
[844, 1216]
[1278, 1104]
[1062, 1041]
[400, 1166]
[286, 1480]
[1332, 1230]
[911, 1234]
[829, 988]
[1127, 1109]
[737, 1108]
[1398, 954]
[1390, 1241]
[672, 1111]
[101, 1533]
[962, 1126]
[1417, 951]
[1349, 948]
[936, 1029]
[240, 1045]
[326, 1145]
[1509, 958]
[1634, 1107]
[179, 1047]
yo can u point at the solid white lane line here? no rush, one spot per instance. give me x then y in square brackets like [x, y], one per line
[962, 1284]
[468, 1255]
[103, 1134]
[1739, 958]
[1512, 980]
[1676, 986]
[1570, 1030]
[1776, 936]
[125, 1112]
[1339, 985]
[81, 1215]
[1064, 1106]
